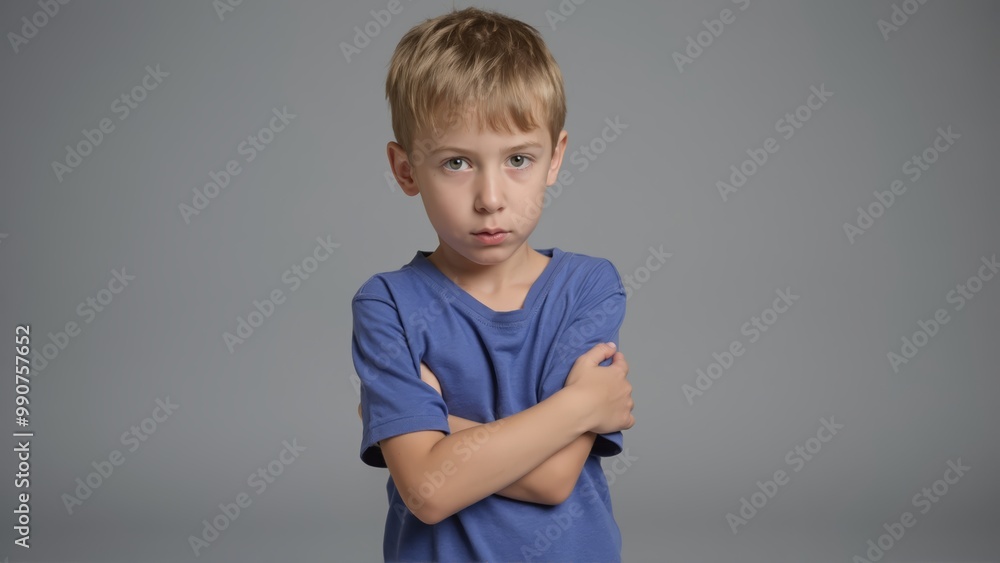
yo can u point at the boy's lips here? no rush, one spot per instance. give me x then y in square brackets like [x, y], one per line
[489, 232]
[492, 239]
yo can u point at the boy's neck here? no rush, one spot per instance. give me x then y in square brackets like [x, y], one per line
[521, 268]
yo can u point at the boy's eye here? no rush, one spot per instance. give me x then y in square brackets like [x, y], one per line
[519, 161]
[454, 164]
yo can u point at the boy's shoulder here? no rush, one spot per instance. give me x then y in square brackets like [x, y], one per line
[587, 261]
[380, 285]
[592, 271]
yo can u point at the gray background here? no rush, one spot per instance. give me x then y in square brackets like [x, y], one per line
[654, 186]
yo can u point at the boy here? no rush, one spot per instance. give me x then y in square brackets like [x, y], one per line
[482, 385]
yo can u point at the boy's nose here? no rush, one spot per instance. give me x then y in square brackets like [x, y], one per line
[489, 193]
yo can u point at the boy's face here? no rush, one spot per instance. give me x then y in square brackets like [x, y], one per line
[472, 180]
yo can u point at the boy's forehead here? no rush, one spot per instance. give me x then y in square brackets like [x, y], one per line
[464, 128]
[474, 138]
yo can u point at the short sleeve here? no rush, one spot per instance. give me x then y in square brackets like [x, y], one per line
[598, 318]
[394, 400]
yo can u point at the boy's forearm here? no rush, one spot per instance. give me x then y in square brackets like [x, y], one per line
[550, 481]
[553, 481]
[477, 462]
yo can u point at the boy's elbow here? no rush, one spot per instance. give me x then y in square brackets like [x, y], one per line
[428, 512]
[428, 509]
[426, 515]
[554, 492]
[424, 508]
[560, 493]
[564, 487]
[564, 496]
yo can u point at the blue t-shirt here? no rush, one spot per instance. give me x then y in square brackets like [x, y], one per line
[490, 365]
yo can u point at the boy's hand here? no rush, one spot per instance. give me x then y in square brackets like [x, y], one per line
[605, 387]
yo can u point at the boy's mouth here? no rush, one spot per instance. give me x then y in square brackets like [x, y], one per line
[491, 239]
[489, 232]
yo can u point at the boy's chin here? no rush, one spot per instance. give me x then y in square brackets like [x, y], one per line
[483, 254]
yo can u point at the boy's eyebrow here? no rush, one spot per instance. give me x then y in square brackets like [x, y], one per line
[520, 147]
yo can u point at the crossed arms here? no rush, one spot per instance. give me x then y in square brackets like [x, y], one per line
[437, 476]
[552, 481]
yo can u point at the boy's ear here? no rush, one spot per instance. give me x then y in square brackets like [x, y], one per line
[399, 162]
[557, 156]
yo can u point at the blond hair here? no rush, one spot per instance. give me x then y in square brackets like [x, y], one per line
[474, 63]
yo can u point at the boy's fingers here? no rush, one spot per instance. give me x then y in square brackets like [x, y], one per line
[359, 411]
[599, 353]
[620, 361]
